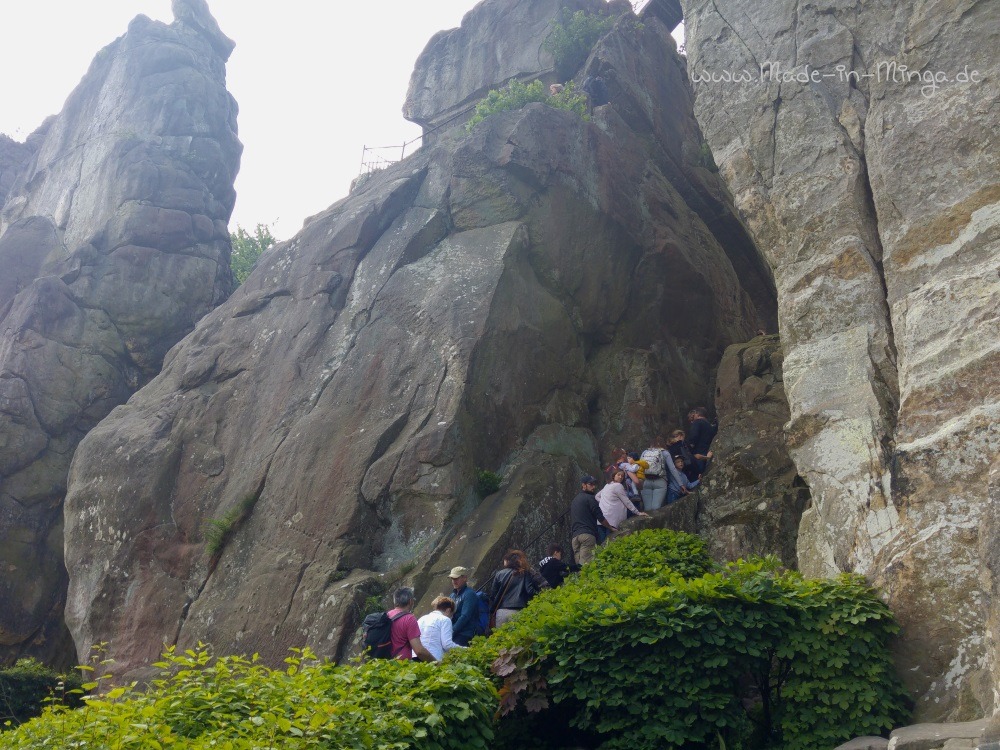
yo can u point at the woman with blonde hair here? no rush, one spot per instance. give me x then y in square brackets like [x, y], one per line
[513, 586]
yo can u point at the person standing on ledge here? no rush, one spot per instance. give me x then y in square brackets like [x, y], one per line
[466, 606]
[584, 517]
[699, 437]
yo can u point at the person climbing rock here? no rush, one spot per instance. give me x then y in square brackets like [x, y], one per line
[584, 517]
[699, 436]
[552, 567]
[514, 586]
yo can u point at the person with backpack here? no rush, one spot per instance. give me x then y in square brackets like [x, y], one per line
[466, 620]
[661, 470]
[435, 628]
[513, 586]
[677, 448]
[404, 633]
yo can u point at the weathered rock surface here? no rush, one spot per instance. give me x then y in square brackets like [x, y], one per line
[752, 499]
[493, 301]
[498, 40]
[954, 736]
[865, 743]
[113, 243]
[877, 201]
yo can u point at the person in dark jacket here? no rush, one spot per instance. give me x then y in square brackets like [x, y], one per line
[466, 617]
[699, 436]
[514, 586]
[552, 567]
[584, 516]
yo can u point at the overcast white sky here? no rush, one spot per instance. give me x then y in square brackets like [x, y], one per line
[315, 82]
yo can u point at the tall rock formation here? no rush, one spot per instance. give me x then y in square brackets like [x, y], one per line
[492, 46]
[860, 143]
[753, 498]
[516, 298]
[113, 242]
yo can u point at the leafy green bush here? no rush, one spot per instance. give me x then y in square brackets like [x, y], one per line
[487, 482]
[749, 656]
[28, 685]
[572, 38]
[239, 704]
[516, 95]
[247, 248]
[652, 555]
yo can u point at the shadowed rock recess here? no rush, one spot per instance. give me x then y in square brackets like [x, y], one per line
[511, 299]
[875, 193]
[113, 242]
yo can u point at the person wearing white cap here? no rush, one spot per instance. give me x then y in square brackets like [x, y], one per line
[466, 616]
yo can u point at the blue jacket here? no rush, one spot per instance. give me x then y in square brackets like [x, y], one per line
[466, 618]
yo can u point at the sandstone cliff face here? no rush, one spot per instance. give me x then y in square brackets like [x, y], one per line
[753, 498]
[496, 300]
[876, 199]
[113, 242]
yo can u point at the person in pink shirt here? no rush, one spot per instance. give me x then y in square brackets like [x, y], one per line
[614, 502]
[405, 632]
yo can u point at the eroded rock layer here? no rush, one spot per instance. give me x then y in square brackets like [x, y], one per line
[859, 140]
[496, 301]
[752, 499]
[113, 242]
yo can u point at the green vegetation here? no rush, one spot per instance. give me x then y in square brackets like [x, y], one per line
[28, 686]
[651, 646]
[572, 39]
[232, 703]
[487, 482]
[668, 654]
[516, 94]
[247, 248]
[218, 531]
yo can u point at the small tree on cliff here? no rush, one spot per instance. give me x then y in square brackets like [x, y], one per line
[247, 248]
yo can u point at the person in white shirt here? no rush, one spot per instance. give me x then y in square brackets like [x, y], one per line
[435, 628]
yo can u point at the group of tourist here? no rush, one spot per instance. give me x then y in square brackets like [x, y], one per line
[634, 483]
[639, 482]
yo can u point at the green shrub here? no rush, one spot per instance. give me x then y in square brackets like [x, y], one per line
[653, 555]
[516, 95]
[572, 38]
[239, 704]
[487, 482]
[29, 685]
[749, 656]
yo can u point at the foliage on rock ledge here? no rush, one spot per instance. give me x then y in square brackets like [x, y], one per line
[572, 38]
[516, 95]
[669, 654]
[232, 703]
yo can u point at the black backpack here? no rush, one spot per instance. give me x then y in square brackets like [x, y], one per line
[377, 630]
